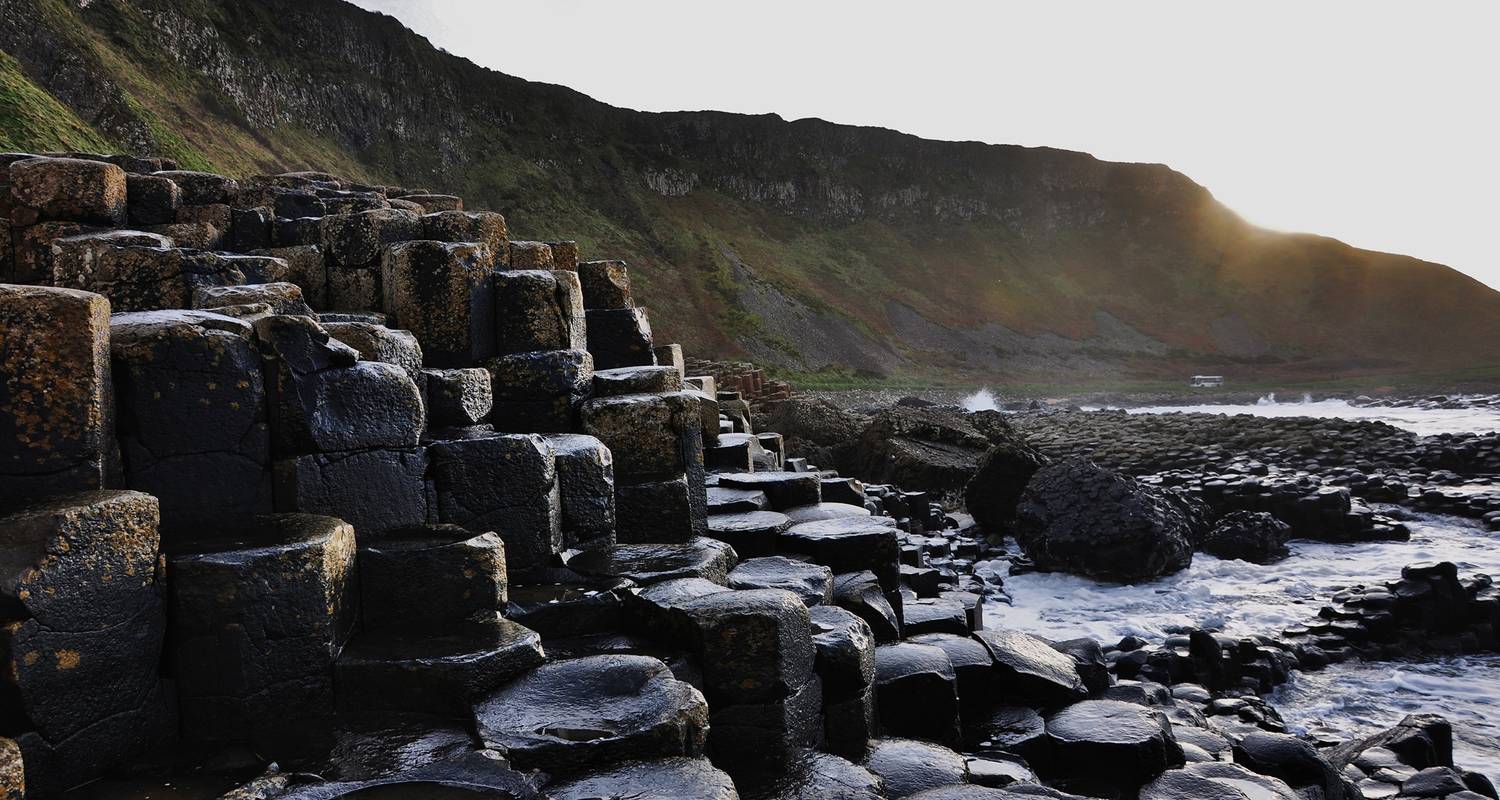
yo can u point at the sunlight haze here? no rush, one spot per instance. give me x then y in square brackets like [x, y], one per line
[1369, 122]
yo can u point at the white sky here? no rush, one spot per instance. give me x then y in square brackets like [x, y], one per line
[1373, 122]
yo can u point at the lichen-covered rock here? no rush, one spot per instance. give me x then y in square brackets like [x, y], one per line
[587, 713]
[538, 310]
[258, 615]
[54, 391]
[283, 298]
[620, 337]
[485, 227]
[606, 284]
[201, 188]
[151, 199]
[645, 432]
[586, 488]
[444, 293]
[379, 343]
[74, 259]
[357, 239]
[70, 189]
[1076, 517]
[431, 575]
[636, 380]
[306, 267]
[457, 397]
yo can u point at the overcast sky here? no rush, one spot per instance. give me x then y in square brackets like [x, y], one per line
[1374, 122]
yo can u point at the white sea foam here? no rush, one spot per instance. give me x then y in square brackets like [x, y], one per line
[982, 400]
[1242, 598]
[1424, 421]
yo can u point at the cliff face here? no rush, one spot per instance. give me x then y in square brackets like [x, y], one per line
[806, 244]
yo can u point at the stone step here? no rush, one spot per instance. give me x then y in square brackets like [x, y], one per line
[432, 669]
[433, 575]
[580, 715]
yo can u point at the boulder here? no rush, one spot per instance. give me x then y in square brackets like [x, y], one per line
[849, 544]
[1077, 517]
[283, 298]
[927, 449]
[588, 713]
[992, 494]
[861, 593]
[55, 402]
[811, 583]
[485, 227]
[457, 397]
[755, 645]
[916, 692]
[1253, 536]
[1290, 759]
[784, 489]
[907, 766]
[258, 615]
[1105, 743]
[374, 490]
[605, 284]
[1030, 672]
[67, 189]
[538, 310]
[750, 533]
[620, 337]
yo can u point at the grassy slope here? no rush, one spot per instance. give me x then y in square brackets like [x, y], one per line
[559, 166]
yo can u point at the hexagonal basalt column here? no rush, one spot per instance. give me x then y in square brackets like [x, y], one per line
[443, 292]
[54, 391]
[192, 425]
[83, 636]
[258, 616]
[538, 310]
[504, 483]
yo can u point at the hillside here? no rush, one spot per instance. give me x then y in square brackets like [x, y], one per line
[805, 244]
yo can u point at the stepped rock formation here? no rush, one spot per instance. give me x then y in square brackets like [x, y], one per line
[806, 245]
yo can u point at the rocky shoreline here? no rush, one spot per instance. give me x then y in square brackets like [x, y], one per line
[314, 489]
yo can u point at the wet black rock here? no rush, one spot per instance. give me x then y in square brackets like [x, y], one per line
[861, 593]
[783, 489]
[756, 645]
[649, 563]
[587, 713]
[992, 494]
[667, 779]
[1292, 760]
[433, 669]
[1076, 517]
[1104, 743]
[1216, 780]
[1253, 536]
[916, 692]
[908, 766]
[849, 544]
[750, 533]
[811, 583]
[1030, 672]
[820, 776]
[438, 574]
[558, 602]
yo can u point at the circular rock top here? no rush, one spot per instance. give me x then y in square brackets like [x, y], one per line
[1106, 722]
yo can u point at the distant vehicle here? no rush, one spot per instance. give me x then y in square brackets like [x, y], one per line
[1207, 381]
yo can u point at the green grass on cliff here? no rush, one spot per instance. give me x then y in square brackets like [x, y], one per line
[31, 119]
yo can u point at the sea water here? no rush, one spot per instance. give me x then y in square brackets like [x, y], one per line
[1241, 598]
[1422, 421]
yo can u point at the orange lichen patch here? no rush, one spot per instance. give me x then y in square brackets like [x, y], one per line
[67, 659]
